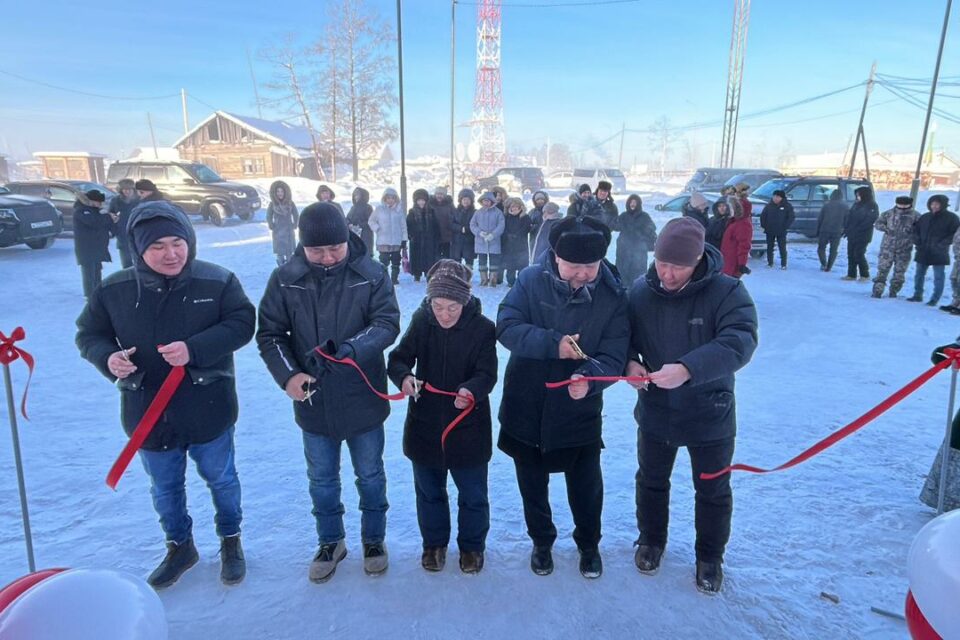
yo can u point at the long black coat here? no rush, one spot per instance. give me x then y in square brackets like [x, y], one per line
[515, 242]
[349, 310]
[443, 214]
[860, 222]
[535, 314]
[424, 237]
[710, 327]
[717, 226]
[91, 232]
[638, 233]
[359, 216]
[465, 355]
[462, 239]
[933, 235]
[776, 218]
[204, 306]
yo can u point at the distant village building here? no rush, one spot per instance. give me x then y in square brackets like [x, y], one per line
[888, 171]
[72, 165]
[243, 147]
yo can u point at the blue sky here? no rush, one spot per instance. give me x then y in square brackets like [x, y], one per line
[573, 74]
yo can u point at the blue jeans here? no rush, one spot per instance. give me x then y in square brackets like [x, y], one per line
[433, 506]
[323, 471]
[167, 471]
[921, 275]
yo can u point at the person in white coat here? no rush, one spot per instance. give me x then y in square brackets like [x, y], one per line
[389, 224]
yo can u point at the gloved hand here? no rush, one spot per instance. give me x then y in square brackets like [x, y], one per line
[744, 270]
[345, 351]
[937, 356]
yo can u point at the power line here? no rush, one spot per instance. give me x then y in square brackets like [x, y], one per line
[549, 5]
[86, 93]
[946, 115]
[823, 117]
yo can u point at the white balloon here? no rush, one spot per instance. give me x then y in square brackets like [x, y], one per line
[933, 567]
[86, 604]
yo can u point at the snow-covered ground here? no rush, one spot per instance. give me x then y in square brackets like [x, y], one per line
[840, 523]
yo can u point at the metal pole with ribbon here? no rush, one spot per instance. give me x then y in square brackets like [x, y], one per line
[9, 353]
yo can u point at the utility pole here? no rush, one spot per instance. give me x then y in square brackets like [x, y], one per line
[738, 50]
[548, 155]
[863, 113]
[623, 132]
[256, 93]
[183, 102]
[915, 186]
[153, 138]
[403, 157]
[453, 83]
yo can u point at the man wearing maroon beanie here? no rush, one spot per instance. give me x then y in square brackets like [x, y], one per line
[691, 328]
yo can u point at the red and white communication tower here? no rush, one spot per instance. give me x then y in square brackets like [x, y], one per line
[488, 146]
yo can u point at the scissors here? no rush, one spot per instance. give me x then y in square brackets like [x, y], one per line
[577, 349]
[416, 389]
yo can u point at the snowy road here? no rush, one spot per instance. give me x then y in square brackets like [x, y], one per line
[840, 523]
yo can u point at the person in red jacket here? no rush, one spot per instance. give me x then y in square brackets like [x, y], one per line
[737, 239]
[742, 191]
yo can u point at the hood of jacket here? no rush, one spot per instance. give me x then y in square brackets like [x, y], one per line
[631, 198]
[715, 208]
[280, 184]
[466, 193]
[389, 191]
[710, 267]
[84, 201]
[942, 199]
[360, 196]
[865, 193]
[161, 209]
[509, 202]
[546, 196]
[421, 194]
[323, 188]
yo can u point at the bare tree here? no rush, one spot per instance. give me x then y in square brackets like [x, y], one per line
[662, 137]
[289, 84]
[363, 72]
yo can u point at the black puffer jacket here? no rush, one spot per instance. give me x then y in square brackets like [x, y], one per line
[443, 213]
[638, 234]
[123, 207]
[776, 218]
[933, 233]
[515, 241]
[91, 231]
[462, 239]
[465, 355]
[536, 313]
[359, 216]
[862, 216]
[699, 215]
[348, 310]
[710, 327]
[204, 306]
[717, 224]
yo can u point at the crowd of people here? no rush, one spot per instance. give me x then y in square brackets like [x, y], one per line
[329, 316]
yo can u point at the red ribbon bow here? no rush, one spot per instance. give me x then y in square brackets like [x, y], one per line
[9, 352]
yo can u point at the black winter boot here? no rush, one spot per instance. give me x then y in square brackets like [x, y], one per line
[179, 558]
[591, 566]
[433, 558]
[647, 558]
[233, 566]
[709, 577]
[541, 561]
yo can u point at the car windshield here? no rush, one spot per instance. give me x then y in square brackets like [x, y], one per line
[4, 190]
[699, 176]
[614, 173]
[89, 186]
[767, 188]
[732, 182]
[583, 173]
[204, 173]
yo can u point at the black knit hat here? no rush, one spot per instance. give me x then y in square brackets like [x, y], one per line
[449, 279]
[603, 185]
[150, 230]
[95, 195]
[584, 188]
[580, 239]
[145, 185]
[781, 193]
[904, 200]
[322, 225]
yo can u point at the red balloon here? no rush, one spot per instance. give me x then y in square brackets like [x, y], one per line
[13, 590]
[917, 623]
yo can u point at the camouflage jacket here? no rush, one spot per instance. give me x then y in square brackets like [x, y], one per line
[956, 246]
[897, 228]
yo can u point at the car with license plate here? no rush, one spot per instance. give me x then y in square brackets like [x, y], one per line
[34, 222]
[61, 193]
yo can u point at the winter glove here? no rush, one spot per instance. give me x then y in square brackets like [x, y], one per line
[937, 356]
[744, 270]
[345, 351]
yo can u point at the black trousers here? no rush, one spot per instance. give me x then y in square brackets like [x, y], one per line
[90, 272]
[714, 498]
[444, 250]
[857, 259]
[584, 493]
[781, 241]
[832, 239]
[391, 259]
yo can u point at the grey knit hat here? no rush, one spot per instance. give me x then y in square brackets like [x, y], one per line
[680, 242]
[449, 279]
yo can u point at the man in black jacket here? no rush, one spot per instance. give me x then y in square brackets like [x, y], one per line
[91, 238]
[610, 212]
[830, 225]
[691, 328]
[564, 319]
[933, 234]
[859, 232]
[122, 206]
[775, 219]
[199, 315]
[332, 296]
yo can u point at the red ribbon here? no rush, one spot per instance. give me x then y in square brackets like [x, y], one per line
[953, 357]
[400, 396]
[9, 352]
[157, 406]
[564, 383]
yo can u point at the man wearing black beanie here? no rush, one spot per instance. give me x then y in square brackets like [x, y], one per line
[91, 238]
[332, 296]
[198, 313]
[565, 318]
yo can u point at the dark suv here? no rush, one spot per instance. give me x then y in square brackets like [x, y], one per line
[28, 220]
[526, 179]
[61, 193]
[807, 194]
[194, 187]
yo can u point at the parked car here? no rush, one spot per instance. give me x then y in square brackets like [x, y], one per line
[559, 179]
[194, 187]
[714, 178]
[759, 240]
[593, 176]
[62, 194]
[752, 178]
[807, 194]
[526, 180]
[34, 222]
